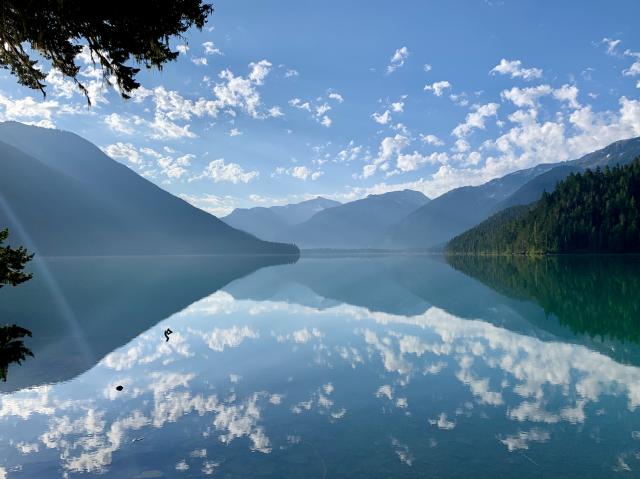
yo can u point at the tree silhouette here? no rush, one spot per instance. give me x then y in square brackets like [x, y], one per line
[12, 348]
[114, 34]
[12, 264]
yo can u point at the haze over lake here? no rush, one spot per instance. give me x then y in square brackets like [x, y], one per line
[355, 366]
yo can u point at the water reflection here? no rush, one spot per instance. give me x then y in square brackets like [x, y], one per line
[296, 383]
[12, 348]
[80, 309]
[592, 295]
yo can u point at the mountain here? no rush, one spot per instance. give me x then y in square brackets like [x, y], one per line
[269, 223]
[594, 212]
[462, 208]
[358, 224]
[532, 190]
[618, 153]
[60, 195]
[456, 211]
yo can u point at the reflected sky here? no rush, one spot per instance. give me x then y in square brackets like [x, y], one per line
[283, 381]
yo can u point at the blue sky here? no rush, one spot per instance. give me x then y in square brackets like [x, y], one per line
[277, 102]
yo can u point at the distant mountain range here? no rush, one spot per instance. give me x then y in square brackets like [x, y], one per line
[358, 224]
[462, 208]
[323, 223]
[270, 223]
[408, 220]
[60, 195]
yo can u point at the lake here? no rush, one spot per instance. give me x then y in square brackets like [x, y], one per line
[353, 366]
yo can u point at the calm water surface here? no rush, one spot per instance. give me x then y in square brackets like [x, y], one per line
[330, 367]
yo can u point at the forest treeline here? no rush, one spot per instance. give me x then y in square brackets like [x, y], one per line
[592, 212]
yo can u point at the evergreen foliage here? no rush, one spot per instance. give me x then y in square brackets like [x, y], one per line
[591, 212]
[115, 36]
[12, 262]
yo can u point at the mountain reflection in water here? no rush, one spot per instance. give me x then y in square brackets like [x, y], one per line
[340, 367]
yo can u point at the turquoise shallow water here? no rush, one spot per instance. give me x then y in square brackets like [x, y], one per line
[329, 367]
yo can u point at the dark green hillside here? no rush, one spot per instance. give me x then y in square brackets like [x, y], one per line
[591, 212]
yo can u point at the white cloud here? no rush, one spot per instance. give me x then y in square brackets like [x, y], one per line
[275, 112]
[298, 172]
[216, 205]
[211, 49]
[350, 153]
[411, 162]
[182, 48]
[383, 118]
[526, 96]
[124, 151]
[461, 145]
[259, 71]
[232, 92]
[515, 70]
[476, 119]
[149, 162]
[522, 97]
[391, 148]
[459, 99]
[634, 69]
[398, 59]
[427, 67]
[336, 96]
[431, 140]
[438, 87]
[121, 123]
[398, 106]
[199, 61]
[29, 111]
[291, 73]
[165, 129]
[298, 103]
[234, 132]
[174, 167]
[567, 94]
[62, 87]
[318, 110]
[611, 45]
[218, 171]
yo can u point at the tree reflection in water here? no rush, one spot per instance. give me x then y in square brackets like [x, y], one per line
[12, 264]
[591, 294]
[12, 348]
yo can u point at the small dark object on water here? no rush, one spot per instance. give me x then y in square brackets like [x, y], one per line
[119, 388]
[167, 332]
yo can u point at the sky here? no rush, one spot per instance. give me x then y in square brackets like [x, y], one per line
[278, 102]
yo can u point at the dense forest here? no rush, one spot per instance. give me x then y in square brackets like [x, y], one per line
[591, 295]
[595, 211]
